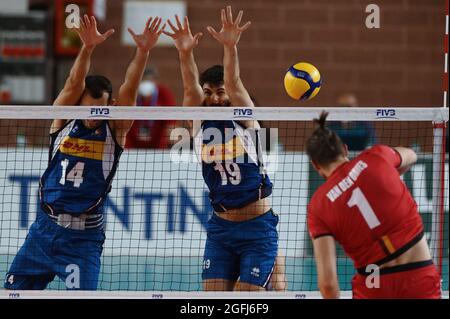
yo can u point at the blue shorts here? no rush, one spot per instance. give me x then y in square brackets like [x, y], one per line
[50, 250]
[241, 250]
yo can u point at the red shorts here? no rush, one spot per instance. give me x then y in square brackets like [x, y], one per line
[413, 281]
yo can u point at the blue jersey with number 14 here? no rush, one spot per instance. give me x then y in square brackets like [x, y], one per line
[82, 164]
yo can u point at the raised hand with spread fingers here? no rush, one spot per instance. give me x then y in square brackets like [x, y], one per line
[147, 40]
[231, 32]
[229, 37]
[89, 34]
[185, 43]
[75, 83]
[182, 35]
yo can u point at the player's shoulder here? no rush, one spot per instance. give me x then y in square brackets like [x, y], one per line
[378, 149]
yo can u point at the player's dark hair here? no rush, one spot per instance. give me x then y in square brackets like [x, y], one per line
[96, 85]
[324, 146]
[213, 76]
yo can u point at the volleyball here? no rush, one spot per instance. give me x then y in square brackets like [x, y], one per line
[302, 81]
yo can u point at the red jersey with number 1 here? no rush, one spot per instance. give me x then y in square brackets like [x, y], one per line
[367, 208]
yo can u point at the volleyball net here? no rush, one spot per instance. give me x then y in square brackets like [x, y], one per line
[157, 211]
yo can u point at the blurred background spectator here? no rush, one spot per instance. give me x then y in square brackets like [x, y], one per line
[149, 133]
[357, 135]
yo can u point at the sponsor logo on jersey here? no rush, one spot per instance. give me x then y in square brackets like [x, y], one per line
[82, 148]
[223, 152]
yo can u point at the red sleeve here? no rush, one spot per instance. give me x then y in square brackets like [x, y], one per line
[389, 154]
[316, 225]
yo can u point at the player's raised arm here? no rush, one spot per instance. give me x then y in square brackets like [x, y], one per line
[325, 255]
[185, 43]
[74, 86]
[128, 90]
[229, 37]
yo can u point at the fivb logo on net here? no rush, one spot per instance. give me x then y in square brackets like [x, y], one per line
[100, 112]
[386, 114]
[243, 113]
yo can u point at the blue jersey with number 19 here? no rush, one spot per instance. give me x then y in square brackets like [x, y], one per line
[232, 165]
[82, 164]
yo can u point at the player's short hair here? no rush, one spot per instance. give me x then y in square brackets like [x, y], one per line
[96, 85]
[212, 75]
[324, 146]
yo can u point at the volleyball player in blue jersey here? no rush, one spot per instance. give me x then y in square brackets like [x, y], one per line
[242, 238]
[66, 240]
